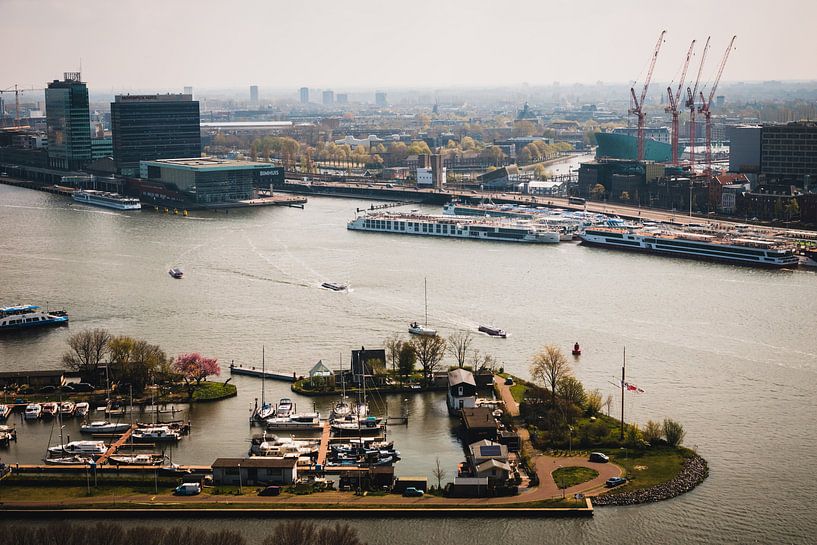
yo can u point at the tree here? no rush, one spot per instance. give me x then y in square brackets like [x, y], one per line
[135, 361]
[571, 390]
[673, 432]
[439, 473]
[597, 192]
[652, 432]
[458, 345]
[593, 402]
[298, 532]
[394, 344]
[548, 368]
[87, 350]
[194, 368]
[625, 196]
[608, 403]
[406, 360]
[430, 350]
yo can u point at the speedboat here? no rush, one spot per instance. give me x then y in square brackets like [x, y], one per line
[7, 434]
[33, 411]
[50, 409]
[417, 329]
[285, 407]
[82, 409]
[138, 460]
[334, 287]
[67, 408]
[103, 426]
[5, 411]
[493, 331]
[176, 273]
[88, 448]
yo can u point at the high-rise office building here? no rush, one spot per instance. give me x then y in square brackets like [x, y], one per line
[69, 123]
[342, 98]
[788, 153]
[380, 98]
[254, 94]
[304, 95]
[328, 97]
[150, 127]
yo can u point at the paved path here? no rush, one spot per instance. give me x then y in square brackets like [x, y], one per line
[511, 406]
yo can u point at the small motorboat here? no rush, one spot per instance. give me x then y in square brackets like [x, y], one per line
[577, 350]
[104, 426]
[7, 434]
[285, 407]
[5, 411]
[67, 408]
[493, 331]
[81, 410]
[425, 331]
[176, 273]
[334, 287]
[33, 411]
[50, 409]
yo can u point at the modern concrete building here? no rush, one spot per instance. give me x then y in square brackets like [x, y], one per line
[380, 98]
[69, 123]
[207, 180]
[328, 97]
[304, 92]
[254, 94]
[788, 153]
[744, 148]
[149, 127]
[342, 98]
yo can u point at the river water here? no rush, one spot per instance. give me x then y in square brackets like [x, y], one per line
[728, 351]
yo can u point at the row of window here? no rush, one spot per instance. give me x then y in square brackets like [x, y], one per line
[22, 321]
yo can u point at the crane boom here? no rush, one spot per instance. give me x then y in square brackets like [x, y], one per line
[690, 103]
[707, 103]
[673, 104]
[638, 104]
[720, 70]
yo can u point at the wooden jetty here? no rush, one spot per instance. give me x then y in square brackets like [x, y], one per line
[253, 372]
[324, 446]
[116, 445]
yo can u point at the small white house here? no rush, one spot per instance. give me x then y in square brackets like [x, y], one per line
[462, 390]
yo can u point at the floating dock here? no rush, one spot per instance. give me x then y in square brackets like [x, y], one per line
[253, 372]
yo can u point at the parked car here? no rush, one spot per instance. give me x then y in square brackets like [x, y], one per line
[599, 457]
[83, 387]
[614, 481]
[411, 492]
[67, 388]
[509, 381]
[187, 489]
[270, 491]
[47, 389]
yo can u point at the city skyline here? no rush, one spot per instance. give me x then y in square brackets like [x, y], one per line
[454, 44]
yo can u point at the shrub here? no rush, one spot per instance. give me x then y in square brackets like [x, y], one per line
[653, 432]
[673, 432]
[593, 402]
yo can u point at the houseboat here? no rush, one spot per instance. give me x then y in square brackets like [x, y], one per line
[105, 199]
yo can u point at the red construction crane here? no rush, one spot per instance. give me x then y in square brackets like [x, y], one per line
[705, 104]
[638, 104]
[690, 103]
[673, 104]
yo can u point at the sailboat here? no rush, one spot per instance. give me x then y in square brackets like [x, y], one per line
[266, 410]
[417, 329]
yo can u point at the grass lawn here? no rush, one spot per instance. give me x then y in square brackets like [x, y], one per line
[649, 467]
[566, 477]
[211, 391]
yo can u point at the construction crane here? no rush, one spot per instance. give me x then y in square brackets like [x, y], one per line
[690, 103]
[673, 104]
[17, 92]
[704, 108]
[638, 104]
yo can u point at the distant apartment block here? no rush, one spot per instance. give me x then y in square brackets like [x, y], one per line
[328, 97]
[342, 98]
[254, 94]
[149, 127]
[304, 95]
[380, 98]
[69, 123]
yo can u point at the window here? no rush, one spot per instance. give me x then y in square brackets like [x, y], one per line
[459, 390]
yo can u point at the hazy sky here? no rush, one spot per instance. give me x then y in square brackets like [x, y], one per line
[162, 44]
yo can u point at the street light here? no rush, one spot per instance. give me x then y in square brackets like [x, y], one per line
[239, 480]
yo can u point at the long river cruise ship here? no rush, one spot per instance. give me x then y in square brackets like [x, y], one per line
[714, 245]
[108, 200]
[452, 227]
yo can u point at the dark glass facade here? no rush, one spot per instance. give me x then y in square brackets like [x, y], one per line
[788, 153]
[69, 123]
[150, 127]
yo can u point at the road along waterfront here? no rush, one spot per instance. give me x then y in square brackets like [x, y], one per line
[727, 351]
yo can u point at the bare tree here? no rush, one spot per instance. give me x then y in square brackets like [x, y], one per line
[458, 345]
[393, 345]
[439, 473]
[87, 350]
[608, 403]
[548, 368]
[429, 351]
[481, 362]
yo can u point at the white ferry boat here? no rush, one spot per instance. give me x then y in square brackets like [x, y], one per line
[108, 200]
[28, 316]
[505, 230]
[715, 245]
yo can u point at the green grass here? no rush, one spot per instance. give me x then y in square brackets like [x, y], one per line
[211, 391]
[649, 467]
[566, 477]
[518, 391]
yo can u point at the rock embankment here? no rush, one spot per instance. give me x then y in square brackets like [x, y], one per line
[693, 473]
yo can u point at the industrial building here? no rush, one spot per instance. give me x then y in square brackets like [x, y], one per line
[69, 123]
[149, 127]
[207, 180]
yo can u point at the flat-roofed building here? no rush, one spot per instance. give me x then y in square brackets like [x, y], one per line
[69, 123]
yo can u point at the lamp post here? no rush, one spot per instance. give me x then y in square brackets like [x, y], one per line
[239, 480]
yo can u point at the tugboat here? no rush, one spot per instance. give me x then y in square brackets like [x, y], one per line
[176, 273]
[493, 331]
[577, 350]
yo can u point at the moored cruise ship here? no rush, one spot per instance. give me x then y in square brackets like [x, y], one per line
[715, 245]
[108, 200]
[28, 316]
[451, 227]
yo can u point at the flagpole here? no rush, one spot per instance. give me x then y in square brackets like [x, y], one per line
[623, 365]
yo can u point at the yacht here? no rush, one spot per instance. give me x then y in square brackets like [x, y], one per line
[88, 448]
[306, 421]
[75, 459]
[5, 411]
[157, 434]
[33, 411]
[714, 245]
[422, 330]
[138, 460]
[27, 316]
[285, 407]
[103, 426]
[82, 409]
[486, 229]
[108, 200]
[369, 425]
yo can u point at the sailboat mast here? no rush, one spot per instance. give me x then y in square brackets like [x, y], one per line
[623, 366]
[263, 376]
[425, 290]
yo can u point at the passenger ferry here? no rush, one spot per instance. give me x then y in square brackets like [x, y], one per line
[26, 316]
[108, 200]
[440, 226]
[713, 245]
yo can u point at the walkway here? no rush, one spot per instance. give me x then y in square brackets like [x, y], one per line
[324, 446]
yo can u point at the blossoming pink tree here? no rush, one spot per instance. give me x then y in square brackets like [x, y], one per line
[194, 368]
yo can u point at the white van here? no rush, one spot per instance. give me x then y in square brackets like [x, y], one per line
[188, 489]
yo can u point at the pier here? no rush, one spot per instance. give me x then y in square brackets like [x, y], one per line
[116, 445]
[253, 372]
[324, 446]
